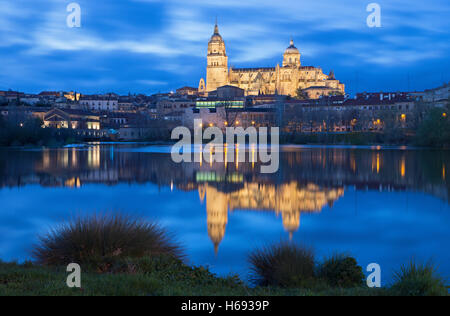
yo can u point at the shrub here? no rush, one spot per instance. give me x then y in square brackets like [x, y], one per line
[434, 131]
[169, 269]
[341, 271]
[100, 240]
[418, 280]
[284, 264]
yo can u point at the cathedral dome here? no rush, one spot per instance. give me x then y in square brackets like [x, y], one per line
[292, 49]
[216, 37]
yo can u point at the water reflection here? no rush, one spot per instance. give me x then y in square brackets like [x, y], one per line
[309, 179]
[288, 200]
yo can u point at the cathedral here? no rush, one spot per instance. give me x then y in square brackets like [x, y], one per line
[285, 80]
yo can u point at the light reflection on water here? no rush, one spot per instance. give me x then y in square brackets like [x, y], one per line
[379, 205]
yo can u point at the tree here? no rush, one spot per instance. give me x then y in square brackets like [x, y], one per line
[335, 93]
[435, 129]
[231, 113]
[301, 94]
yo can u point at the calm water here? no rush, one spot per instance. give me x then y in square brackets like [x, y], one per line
[380, 205]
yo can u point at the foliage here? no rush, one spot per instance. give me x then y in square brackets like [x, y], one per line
[301, 94]
[435, 129]
[418, 280]
[283, 264]
[18, 131]
[341, 271]
[99, 241]
[144, 277]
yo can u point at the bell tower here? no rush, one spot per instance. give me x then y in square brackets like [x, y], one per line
[217, 67]
[291, 57]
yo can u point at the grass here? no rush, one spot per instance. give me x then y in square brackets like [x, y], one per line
[419, 280]
[121, 255]
[140, 278]
[101, 240]
[283, 264]
[341, 271]
[290, 265]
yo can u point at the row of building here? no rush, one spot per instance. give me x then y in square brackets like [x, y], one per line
[229, 106]
[135, 116]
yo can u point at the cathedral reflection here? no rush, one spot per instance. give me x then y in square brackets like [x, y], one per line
[309, 179]
[289, 200]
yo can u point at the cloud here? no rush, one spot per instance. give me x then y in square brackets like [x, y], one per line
[170, 37]
[152, 82]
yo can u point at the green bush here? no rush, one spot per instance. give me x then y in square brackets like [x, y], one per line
[434, 131]
[341, 271]
[99, 241]
[418, 280]
[170, 269]
[283, 264]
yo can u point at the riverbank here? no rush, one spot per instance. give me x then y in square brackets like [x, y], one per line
[142, 279]
[319, 139]
[120, 254]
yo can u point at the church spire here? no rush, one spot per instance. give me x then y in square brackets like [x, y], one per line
[216, 28]
[216, 248]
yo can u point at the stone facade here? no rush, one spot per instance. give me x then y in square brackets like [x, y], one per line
[285, 79]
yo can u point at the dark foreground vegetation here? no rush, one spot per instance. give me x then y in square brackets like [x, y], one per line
[432, 130]
[120, 255]
[30, 133]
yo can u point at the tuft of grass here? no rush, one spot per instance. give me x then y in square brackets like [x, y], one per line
[341, 271]
[418, 280]
[99, 241]
[282, 265]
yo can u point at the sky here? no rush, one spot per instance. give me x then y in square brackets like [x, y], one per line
[149, 46]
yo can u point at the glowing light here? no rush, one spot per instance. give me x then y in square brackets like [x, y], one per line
[402, 167]
[226, 155]
[353, 164]
[444, 114]
[253, 157]
[378, 163]
[211, 157]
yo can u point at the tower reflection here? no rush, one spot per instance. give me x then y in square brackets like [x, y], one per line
[290, 200]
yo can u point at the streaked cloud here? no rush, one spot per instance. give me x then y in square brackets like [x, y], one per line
[170, 37]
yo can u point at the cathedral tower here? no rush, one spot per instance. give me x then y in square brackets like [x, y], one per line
[291, 56]
[217, 68]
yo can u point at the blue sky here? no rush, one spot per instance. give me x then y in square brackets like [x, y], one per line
[146, 46]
